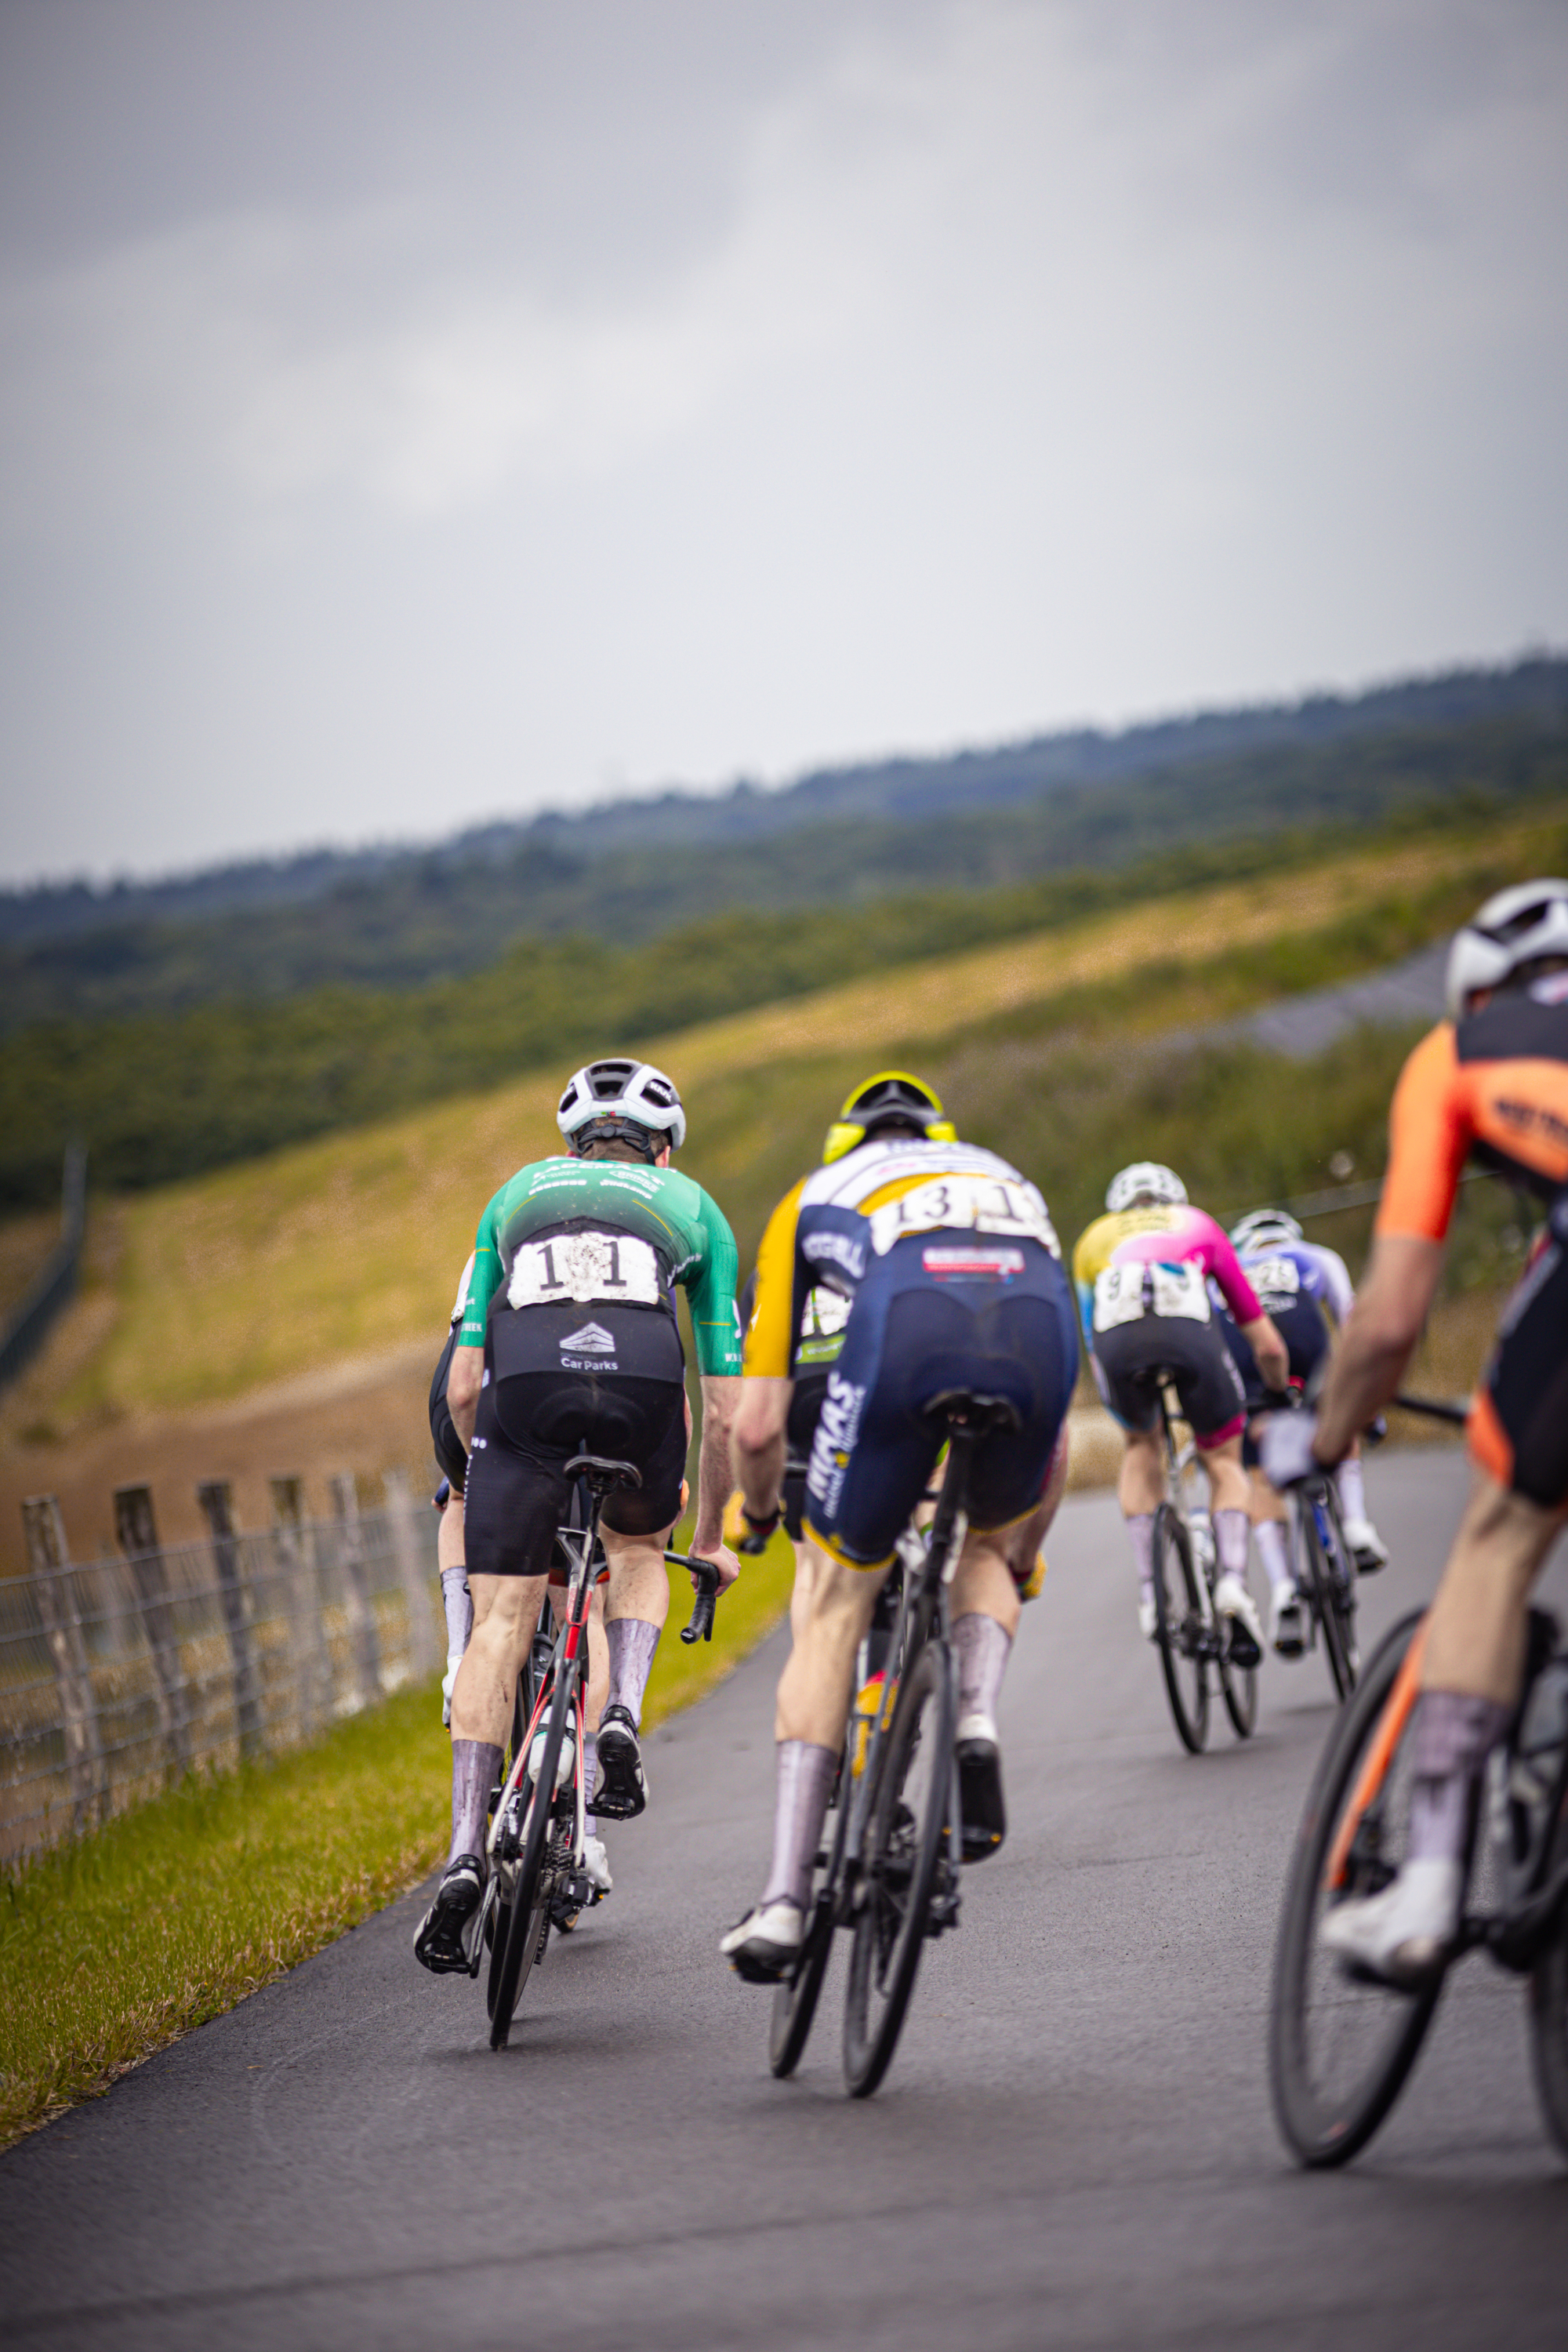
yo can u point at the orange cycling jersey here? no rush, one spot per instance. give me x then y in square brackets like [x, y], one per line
[1494, 1083]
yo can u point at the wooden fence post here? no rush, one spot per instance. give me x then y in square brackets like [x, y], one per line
[216, 1497]
[425, 1645]
[363, 1647]
[292, 1549]
[46, 1539]
[136, 1532]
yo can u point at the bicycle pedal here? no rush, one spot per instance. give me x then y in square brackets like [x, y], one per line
[943, 1914]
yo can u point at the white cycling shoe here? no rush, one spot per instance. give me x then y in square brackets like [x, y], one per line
[1401, 1936]
[1232, 1600]
[1286, 1632]
[596, 1863]
[765, 1946]
[1148, 1621]
[1367, 1547]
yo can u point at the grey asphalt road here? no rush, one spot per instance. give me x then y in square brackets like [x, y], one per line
[1073, 2147]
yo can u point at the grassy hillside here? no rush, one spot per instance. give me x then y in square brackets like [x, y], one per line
[1048, 1047]
[158, 1099]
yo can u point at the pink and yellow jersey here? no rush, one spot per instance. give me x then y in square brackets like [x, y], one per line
[1187, 1246]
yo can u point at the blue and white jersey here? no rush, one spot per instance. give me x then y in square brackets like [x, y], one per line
[1293, 1273]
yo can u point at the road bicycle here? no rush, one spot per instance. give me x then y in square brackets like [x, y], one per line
[1194, 1640]
[887, 1870]
[1341, 2045]
[537, 1877]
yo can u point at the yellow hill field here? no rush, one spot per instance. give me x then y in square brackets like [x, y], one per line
[351, 1247]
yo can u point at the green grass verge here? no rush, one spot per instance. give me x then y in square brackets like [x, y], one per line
[114, 1946]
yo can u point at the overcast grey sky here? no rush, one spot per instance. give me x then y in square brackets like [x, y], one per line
[411, 411]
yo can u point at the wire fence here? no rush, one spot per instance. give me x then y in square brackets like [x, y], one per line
[120, 1674]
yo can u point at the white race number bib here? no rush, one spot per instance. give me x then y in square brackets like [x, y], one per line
[982, 1204]
[1277, 1280]
[1118, 1297]
[584, 1268]
[1181, 1290]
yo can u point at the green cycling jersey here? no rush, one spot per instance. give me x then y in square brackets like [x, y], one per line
[688, 1233]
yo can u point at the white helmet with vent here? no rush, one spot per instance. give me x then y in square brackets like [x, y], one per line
[1146, 1179]
[1265, 1229]
[1514, 928]
[612, 1094]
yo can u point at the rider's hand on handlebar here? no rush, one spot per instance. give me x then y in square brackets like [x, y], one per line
[723, 1560]
[1284, 1449]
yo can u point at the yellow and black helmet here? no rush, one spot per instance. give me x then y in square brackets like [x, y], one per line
[892, 1097]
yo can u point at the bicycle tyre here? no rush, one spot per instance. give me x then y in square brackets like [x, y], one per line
[525, 1929]
[1327, 1605]
[795, 2003]
[1325, 2125]
[1178, 1615]
[1549, 2013]
[889, 1933]
[1238, 1688]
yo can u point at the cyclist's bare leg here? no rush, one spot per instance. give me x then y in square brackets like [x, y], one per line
[1266, 1508]
[637, 1603]
[506, 1612]
[1475, 1633]
[829, 1611]
[1470, 1676]
[1140, 1490]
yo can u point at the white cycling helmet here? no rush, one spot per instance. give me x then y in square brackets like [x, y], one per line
[1145, 1179]
[1264, 1229]
[1514, 927]
[620, 1096]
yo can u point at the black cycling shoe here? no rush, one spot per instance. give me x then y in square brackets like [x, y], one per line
[623, 1788]
[438, 1939]
[980, 1789]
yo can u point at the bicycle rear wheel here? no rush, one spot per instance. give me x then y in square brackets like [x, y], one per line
[906, 1835]
[528, 1924]
[1339, 2050]
[1179, 1625]
[1329, 1597]
[1238, 1688]
[795, 2003]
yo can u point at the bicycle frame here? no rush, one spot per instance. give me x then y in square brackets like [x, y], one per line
[929, 1564]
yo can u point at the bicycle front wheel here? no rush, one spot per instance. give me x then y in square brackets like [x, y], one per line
[1340, 2050]
[1549, 2013]
[1180, 1629]
[905, 1840]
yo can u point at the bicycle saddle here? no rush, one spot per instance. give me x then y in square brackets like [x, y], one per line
[602, 1473]
[974, 1411]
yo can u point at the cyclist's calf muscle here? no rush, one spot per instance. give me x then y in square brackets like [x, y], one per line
[1476, 1631]
[506, 1612]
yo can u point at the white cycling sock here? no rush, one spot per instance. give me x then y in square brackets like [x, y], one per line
[1230, 1533]
[1274, 1551]
[1140, 1527]
[982, 1647]
[1451, 1738]
[1352, 1489]
[805, 1784]
[475, 1768]
[631, 1643]
[459, 1604]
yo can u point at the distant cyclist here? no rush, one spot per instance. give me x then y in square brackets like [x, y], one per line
[953, 1277]
[452, 1461]
[1142, 1272]
[1491, 1079]
[1305, 1290]
[569, 1344]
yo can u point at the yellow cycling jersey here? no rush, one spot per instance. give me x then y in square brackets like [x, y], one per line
[829, 1227]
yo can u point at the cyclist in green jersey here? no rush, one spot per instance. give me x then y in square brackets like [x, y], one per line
[568, 1345]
